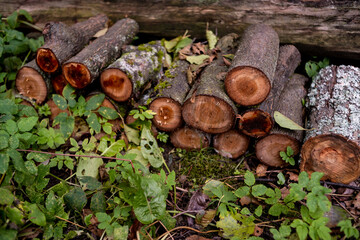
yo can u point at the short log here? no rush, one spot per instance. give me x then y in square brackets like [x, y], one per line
[189, 138]
[231, 144]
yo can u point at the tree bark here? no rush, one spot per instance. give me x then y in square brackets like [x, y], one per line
[331, 28]
[125, 77]
[33, 83]
[189, 138]
[85, 67]
[167, 105]
[251, 73]
[63, 42]
[333, 147]
[231, 144]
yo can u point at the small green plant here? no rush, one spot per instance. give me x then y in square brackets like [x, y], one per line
[312, 67]
[142, 113]
[288, 156]
[163, 137]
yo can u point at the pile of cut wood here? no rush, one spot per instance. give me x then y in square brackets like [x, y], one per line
[228, 104]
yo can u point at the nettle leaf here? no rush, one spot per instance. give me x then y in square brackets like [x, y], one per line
[8, 107]
[94, 102]
[89, 183]
[93, 122]
[67, 124]
[26, 124]
[36, 215]
[108, 113]
[69, 94]
[114, 148]
[11, 127]
[98, 202]
[60, 101]
[4, 162]
[286, 122]
[211, 38]
[17, 160]
[4, 139]
[76, 199]
[31, 167]
[150, 149]
[198, 59]
[7, 197]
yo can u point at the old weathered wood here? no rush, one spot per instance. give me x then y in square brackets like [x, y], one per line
[85, 67]
[33, 83]
[251, 73]
[231, 144]
[331, 28]
[255, 123]
[63, 42]
[333, 146]
[189, 138]
[138, 65]
[167, 105]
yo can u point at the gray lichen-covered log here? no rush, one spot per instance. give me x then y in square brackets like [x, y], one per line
[252, 70]
[259, 122]
[63, 42]
[170, 98]
[333, 146]
[231, 144]
[125, 77]
[33, 83]
[290, 104]
[318, 27]
[85, 67]
[190, 138]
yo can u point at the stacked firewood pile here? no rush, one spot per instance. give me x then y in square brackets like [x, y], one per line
[227, 105]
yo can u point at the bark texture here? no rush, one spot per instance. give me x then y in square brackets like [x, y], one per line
[167, 105]
[333, 147]
[190, 138]
[63, 42]
[252, 70]
[317, 27]
[231, 144]
[85, 67]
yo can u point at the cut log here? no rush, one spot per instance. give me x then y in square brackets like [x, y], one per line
[259, 122]
[290, 104]
[231, 144]
[33, 83]
[55, 110]
[137, 66]
[251, 73]
[85, 67]
[58, 82]
[333, 147]
[189, 138]
[207, 107]
[63, 42]
[167, 105]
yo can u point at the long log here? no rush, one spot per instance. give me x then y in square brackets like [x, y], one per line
[85, 67]
[189, 138]
[63, 42]
[252, 70]
[33, 83]
[167, 105]
[333, 147]
[124, 78]
[231, 144]
[330, 28]
[259, 122]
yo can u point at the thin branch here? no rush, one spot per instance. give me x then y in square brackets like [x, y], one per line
[70, 222]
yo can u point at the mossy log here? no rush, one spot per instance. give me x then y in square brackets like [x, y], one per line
[85, 67]
[33, 83]
[333, 147]
[167, 105]
[231, 144]
[189, 138]
[125, 77]
[252, 70]
[63, 42]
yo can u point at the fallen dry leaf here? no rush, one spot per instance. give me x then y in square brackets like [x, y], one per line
[258, 231]
[293, 176]
[284, 192]
[261, 169]
[356, 201]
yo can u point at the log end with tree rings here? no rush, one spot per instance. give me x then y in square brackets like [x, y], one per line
[256, 123]
[31, 84]
[58, 82]
[208, 113]
[189, 138]
[77, 74]
[247, 86]
[334, 155]
[168, 114]
[116, 84]
[55, 110]
[231, 144]
[46, 60]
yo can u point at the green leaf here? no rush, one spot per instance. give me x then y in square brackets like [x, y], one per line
[25, 14]
[8, 107]
[89, 167]
[31, 167]
[108, 113]
[182, 43]
[60, 101]
[121, 232]
[289, 151]
[89, 183]
[68, 93]
[198, 59]
[36, 216]
[277, 209]
[249, 178]
[242, 191]
[93, 122]
[139, 157]
[13, 63]
[8, 234]
[98, 202]
[12, 19]
[15, 215]
[258, 211]
[311, 68]
[67, 124]
[286, 122]
[150, 149]
[132, 134]
[4, 163]
[236, 226]
[281, 178]
[114, 148]
[211, 38]
[4, 139]
[258, 190]
[76, 199]
[11, 127]
[17, 160]
[6, 197]
[94, 102]
[26, 124]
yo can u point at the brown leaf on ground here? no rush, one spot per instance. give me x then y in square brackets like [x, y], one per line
[284, 192]
[93, 223]
[261, 170]
[227, 62]
[356, 201]
[198, 48]
[293, 176]
[196, 237]
[258, 231]
[198, 201]
[245, 200]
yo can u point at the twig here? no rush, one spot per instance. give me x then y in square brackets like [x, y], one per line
[70, 222]
[341, 185]
[166, 230]
[189, 228]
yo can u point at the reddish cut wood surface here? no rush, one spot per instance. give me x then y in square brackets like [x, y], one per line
[231, 144]
[77, 74]
[31, 84]
[189, 138]
[255, 123]
[208, 113]
[334, 155]
[168, 113]
[116, 84]
[46, 60]
[55, 110]
[58, 82]
[247, 86]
